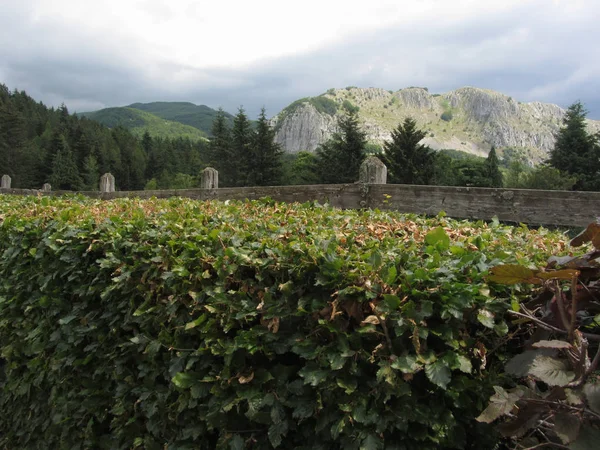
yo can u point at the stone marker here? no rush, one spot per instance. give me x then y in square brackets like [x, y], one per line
[209, 178]
[107, 183]
[46, 187]
[373, 171]
[5, 182]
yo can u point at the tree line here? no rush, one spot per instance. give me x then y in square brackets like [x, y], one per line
[40, 144]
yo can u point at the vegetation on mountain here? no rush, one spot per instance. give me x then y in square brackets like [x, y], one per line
[577, 152]
[544, 176]
[245, 155]
[197, 116]
[322, 104]
[40, 145]
[184, 324]
[408, 161]
[467, 119]
[300, 168]
[140, 122]
[264, 164]
[492, 169]
[339, 159]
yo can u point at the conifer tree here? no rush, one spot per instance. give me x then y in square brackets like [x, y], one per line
[91, 173]
[577, 152]
[339, 159]
[264, 166]
[65, 175]
[241, 140]
[407, 161]
[13, 139]
[219, 149]
[492, 169]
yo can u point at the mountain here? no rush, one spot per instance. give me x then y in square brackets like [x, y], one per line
[466, 119]
[163, 119]
[138, 122]
[197, 116]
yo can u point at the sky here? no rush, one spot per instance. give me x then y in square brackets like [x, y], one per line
[95, 54]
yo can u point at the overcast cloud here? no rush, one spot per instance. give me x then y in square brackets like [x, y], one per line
[92, 55]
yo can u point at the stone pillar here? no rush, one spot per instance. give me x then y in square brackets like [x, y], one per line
[107, 183]
[373, 171]
[5, 182]
[209, 178]
[46, 187]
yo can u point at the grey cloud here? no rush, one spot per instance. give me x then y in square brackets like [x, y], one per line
[527, 53]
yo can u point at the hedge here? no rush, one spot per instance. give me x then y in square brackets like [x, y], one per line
[197, 325]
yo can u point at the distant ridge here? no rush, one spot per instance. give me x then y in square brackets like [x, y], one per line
[197, 116]
[160, 119]
[138, 122]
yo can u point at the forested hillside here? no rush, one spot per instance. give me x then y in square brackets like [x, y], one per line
[197, 116]
[140, 122]
[40, 144]
[164, 119]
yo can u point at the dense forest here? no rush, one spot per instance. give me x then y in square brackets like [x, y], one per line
[40, 144]
[46, 145]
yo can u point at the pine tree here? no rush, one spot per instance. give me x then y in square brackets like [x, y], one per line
[91, 173]
[264, 166]
[13, 140]
[492, 169]
[407, 161]
[576, 152]
[302, 169]
[339, 159]
[65, 175]
[238, 164]
[219, 149]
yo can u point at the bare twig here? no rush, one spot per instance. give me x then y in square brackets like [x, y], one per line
[563, 405]
[385, 329]
[541, 323]
[546, 444]
[558, 295]
[573, 306]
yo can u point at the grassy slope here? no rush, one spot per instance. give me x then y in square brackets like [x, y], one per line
[197, 116]
[140, 121]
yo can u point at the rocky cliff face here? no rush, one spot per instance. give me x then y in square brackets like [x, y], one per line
[304, 129]
[467, 119]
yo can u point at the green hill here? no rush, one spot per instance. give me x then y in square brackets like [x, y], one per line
[197, 116]
[138, 122]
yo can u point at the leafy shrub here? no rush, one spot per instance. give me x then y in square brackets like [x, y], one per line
[180, 324]
[348, 106]
[447, 116]
[559, 404]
